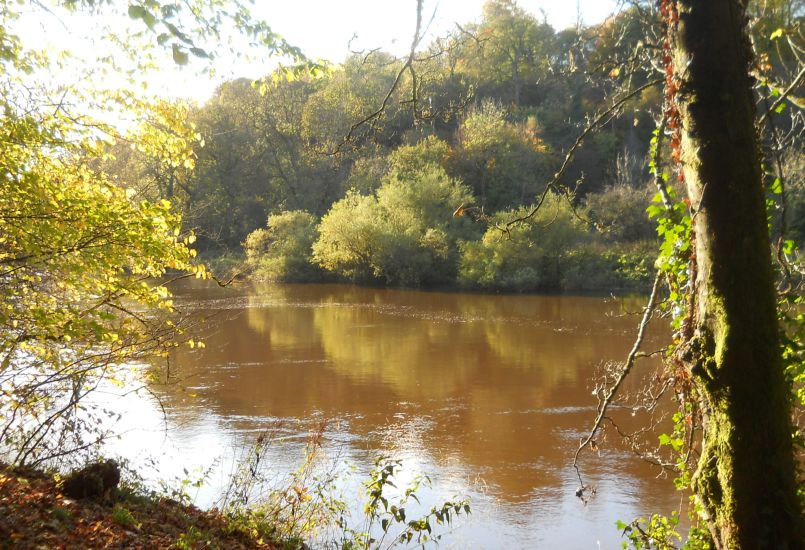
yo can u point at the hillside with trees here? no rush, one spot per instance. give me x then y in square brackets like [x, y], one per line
[482, 121]
[477, 122]
[493, 108]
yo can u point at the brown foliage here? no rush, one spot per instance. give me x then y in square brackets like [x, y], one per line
[34, 513]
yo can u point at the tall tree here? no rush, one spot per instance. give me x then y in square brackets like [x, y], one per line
[745, 482]
[513, 52]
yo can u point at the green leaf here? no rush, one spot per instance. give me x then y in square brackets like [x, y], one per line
[654, 211]
[136, 12]
[169, 10]
[198, 52]
[178, 34]
[149, 19]
[776, 187]
[179, 57]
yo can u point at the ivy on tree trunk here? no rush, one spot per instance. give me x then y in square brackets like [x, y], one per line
[746, 479]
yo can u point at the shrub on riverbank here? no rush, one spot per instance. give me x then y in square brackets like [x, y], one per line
[523, 257]
[282, 251]
[405, 235]
[613, 268]
[552, 250]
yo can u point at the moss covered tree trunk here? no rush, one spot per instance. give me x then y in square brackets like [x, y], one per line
[746, 477]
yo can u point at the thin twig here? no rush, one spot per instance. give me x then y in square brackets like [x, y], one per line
[630, 360]
[783, 96]
[554, 183]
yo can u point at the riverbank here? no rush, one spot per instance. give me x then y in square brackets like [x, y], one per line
[592, 270]
[34, 513]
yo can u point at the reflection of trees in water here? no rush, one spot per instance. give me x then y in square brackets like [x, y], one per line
[283, 327]
[471, 375]
[384, 346]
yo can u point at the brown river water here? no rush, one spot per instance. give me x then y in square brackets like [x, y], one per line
[488, 395]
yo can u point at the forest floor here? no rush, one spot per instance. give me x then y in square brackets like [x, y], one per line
[35, 514]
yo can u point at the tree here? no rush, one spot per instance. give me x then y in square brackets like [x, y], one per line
[81, 259]
[513, 48]
[504, 163]
[527, 258]
[281, 252]
[745, 482]
[77, 257]
[404, 234]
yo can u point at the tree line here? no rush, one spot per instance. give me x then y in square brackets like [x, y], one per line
[485, 124]
[280, 168]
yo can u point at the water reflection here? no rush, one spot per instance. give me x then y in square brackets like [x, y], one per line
[489, 394]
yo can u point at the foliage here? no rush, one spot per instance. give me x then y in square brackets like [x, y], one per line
[356, 88]
[674, 230]
[77, 260]
[661, 533]
[282, 251]
[366, 173]
[489, 104]
[619, 211]
[386, 522]
[404, 235]
[515, 52]
[346, 237]
[407, 160]
[527, 256]
[504, 163]
[794, 168]
[83, 258]
[185, 29]
[304, 505]
[123, 517]
[256, 161]
[621, 267]
[288, 509]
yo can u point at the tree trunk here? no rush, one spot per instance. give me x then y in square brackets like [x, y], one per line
[516, 75]
[745, 481]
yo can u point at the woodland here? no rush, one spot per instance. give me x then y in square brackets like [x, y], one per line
[659, 150]
[315, 181]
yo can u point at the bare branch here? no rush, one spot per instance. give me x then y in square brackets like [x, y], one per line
[783, 96]
[597, 121]
[627, 367]
[407, 66]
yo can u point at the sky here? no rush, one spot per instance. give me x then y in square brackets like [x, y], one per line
[321, 28]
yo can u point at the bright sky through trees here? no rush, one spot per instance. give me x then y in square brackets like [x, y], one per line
[321, 28]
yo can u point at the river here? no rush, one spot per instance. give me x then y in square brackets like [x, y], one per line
[488, 395]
